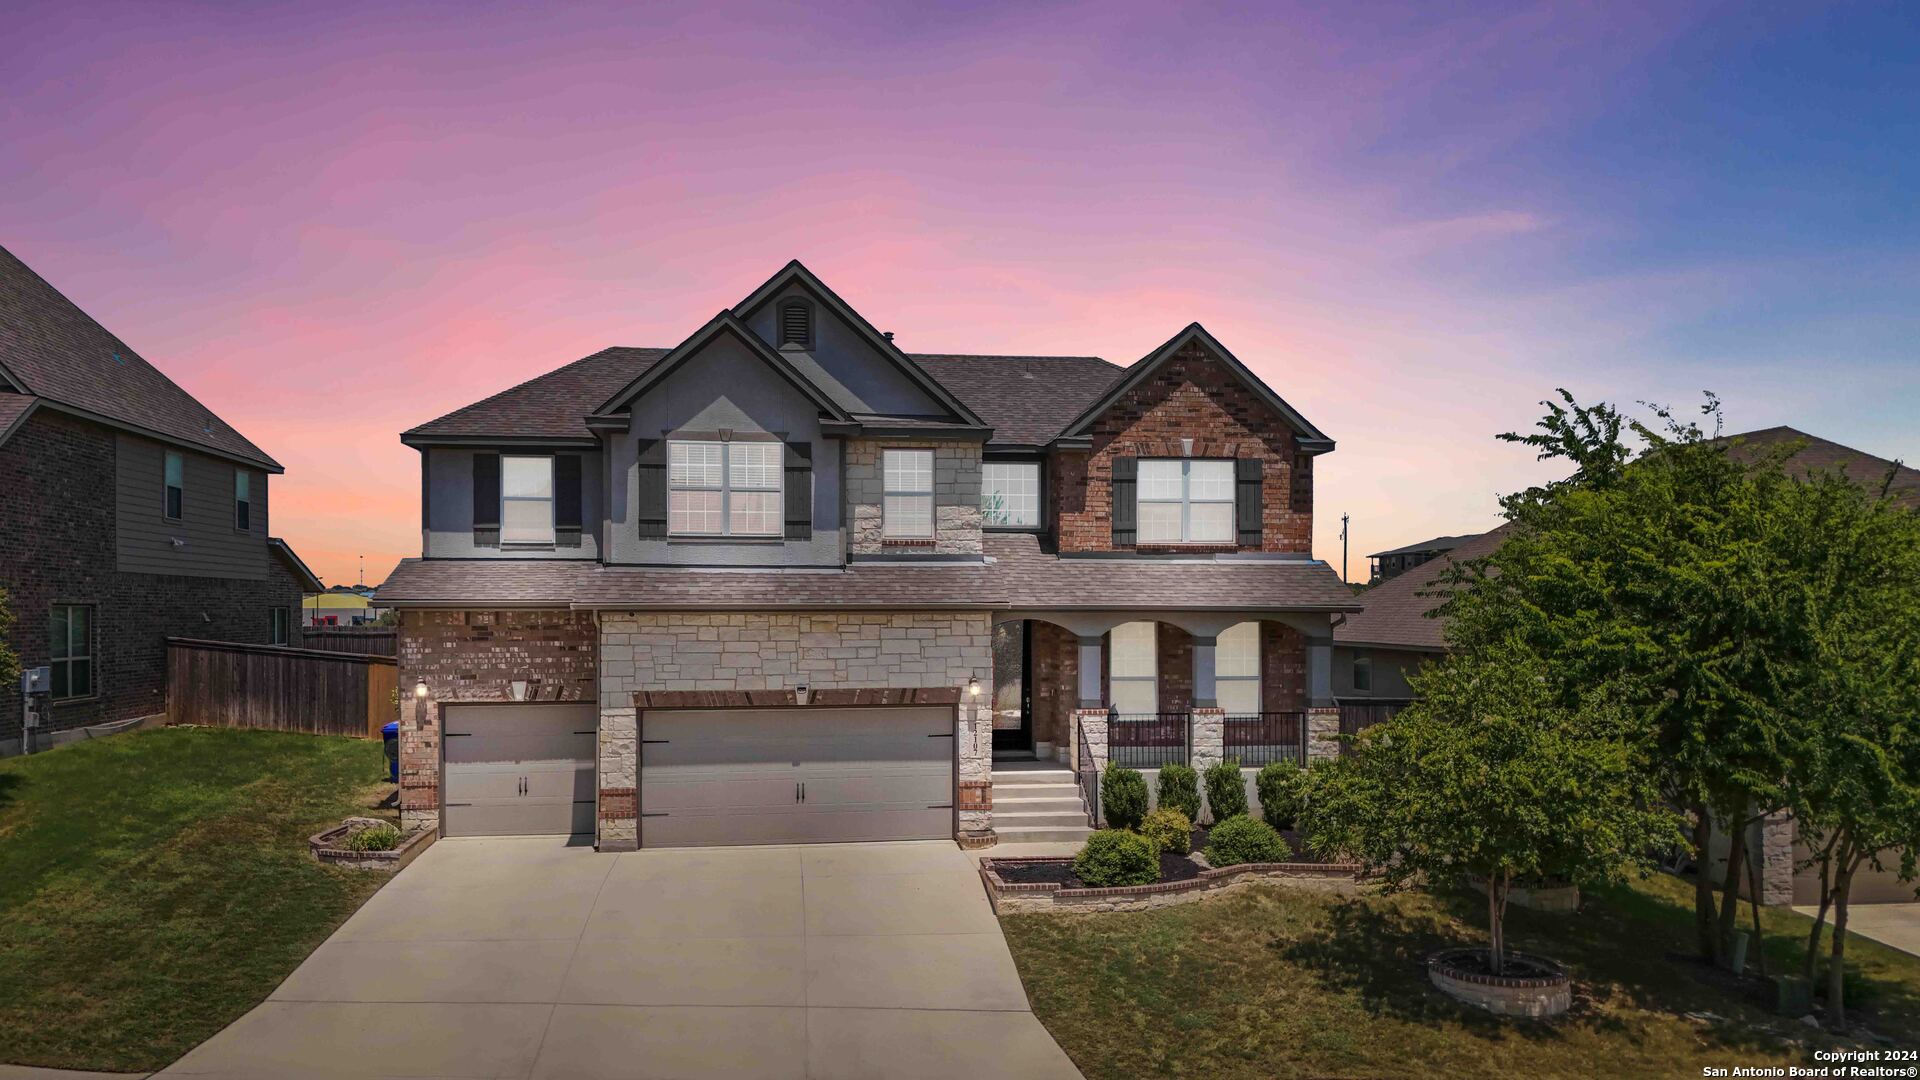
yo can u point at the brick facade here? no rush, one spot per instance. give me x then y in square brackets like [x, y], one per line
[475, 656]
[956, 496]
[1193, 396]
[58, 535]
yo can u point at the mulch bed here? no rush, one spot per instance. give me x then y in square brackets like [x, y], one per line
[1172, 868]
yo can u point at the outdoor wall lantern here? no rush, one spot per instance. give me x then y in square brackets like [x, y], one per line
[973, 687]
[420, 690]
[518, 688]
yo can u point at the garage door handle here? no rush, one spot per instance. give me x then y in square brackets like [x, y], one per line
[803, 792]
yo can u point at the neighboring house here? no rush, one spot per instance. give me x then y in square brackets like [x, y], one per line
[1377, 648]
[1391, 564]
[131, 514]
[783, 582]
[339, 606]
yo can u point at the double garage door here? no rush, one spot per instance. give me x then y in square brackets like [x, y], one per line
[708, 776]
[795, 776]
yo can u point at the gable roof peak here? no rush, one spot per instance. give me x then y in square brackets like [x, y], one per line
[726, 322]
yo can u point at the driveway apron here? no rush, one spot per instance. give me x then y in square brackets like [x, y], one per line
[524, 957]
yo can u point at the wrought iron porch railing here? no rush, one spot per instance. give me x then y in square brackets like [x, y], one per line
[1263, 738]
[1357, 716]
[1149, 740]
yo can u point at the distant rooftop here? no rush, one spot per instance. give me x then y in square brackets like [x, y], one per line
[1427, 547]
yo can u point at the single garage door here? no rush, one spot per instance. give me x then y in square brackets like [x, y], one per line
[519, 769]
[805, 775]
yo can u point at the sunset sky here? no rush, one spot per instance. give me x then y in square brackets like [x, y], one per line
[331, 222]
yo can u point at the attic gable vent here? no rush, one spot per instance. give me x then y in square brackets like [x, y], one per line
[796, 324]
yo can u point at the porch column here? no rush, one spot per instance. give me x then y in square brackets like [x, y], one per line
[1090, 647]
[1323, 715]
[1207, 721]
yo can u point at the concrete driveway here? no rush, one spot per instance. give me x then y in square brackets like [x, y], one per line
[528, 958]
[1897, 925]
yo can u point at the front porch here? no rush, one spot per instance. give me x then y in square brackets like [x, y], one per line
[1149, 689]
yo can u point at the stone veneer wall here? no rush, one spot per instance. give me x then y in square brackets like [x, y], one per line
[474, 656]
[956, 496]
[775, 651]
[1194, 396]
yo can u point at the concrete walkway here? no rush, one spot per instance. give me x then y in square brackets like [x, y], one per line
[1897, 925]
[527, 958]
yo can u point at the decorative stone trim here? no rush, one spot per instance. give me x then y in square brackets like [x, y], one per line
[976, 795]
[833, 697]
[617, 804]
[325, 848]
[1323, 734]
[1506, 995]
[1045, 896]
[977, 841]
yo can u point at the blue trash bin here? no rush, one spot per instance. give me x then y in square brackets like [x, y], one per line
[390, 742]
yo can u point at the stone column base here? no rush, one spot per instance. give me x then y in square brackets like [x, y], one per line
[1323, 734]
[1208, 732]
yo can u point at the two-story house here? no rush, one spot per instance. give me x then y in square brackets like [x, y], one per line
[783, 582]
[129, 513]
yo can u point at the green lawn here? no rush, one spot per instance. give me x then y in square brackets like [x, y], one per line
[156, 885]
[1283, 982]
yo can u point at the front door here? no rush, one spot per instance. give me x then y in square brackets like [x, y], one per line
[1013, 685]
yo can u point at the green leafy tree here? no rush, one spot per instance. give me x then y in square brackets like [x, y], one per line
[1855, 614]
[1649, 571]
[1492, 776]
[9, 663]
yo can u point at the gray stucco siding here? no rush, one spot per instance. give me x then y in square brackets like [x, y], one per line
[724, 387]
[449, 533]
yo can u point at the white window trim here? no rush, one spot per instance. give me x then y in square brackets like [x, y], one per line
[726, 490]
[1039, 497]
[888, 530]
[1151, 679]
[1186, 503]
[552, 500]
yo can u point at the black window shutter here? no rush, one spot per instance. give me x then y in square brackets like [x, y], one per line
[1126, 501]
[799, 488]
[486, 500]
[566, 500]
[1246, 497]
[650, 507]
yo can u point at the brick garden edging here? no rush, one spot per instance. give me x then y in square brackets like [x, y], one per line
[410, 846]
[1010, 897]
[1535, 996]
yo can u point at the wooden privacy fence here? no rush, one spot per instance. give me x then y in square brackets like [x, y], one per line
[227, 684]
[360, 641]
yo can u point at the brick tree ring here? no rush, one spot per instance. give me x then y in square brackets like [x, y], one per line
[1534, 986]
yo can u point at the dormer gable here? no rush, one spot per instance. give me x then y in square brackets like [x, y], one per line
[1308, 438]
[835, 346]
[723, 325]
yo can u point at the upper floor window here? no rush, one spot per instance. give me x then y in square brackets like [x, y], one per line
[1010, 494]
[1236, 669]
[907, 510]
[723, 489]
[71, 639]
[796, 324]
[242, 500]
[526, 500]
[1185, 501]
[175, 493]
[1133, 668]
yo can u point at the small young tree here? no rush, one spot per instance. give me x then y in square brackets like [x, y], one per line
[1491, 776]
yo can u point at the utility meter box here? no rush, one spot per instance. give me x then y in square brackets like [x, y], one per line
[36, 680]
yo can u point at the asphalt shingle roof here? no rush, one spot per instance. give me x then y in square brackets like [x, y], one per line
[1394, 612]
[1035, 578]
[62, 355]
[492, 581]
[1025, 399]
[1825, 455]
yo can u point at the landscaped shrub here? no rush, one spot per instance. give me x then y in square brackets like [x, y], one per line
[1226, 790]
[376, 838]
[1244, 840]
[1168, 830]
[1281, 786]
[1117, 857]
[1123, 797]
[1180, 789]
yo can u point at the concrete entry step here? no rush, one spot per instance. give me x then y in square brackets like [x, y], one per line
[1043, 835]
